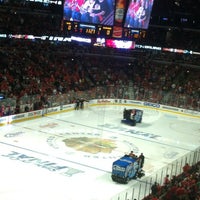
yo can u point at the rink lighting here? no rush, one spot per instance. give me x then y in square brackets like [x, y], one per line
[196, 53]
[181, 51]
[97, 43]
[80, 39]
[139, 46]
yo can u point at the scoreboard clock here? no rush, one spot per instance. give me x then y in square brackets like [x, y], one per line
[104, 30]
[107, 18]
[93, 30]
[88, 29]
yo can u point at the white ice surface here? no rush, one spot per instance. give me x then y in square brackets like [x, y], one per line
[162, 137]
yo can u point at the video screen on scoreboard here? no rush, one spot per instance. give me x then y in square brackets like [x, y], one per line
[89, 11]
[119, 44]
[138, 14]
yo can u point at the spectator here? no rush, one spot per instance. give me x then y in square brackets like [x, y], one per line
[166, 181]
[141, 160]
[154, 188]
[186, 169]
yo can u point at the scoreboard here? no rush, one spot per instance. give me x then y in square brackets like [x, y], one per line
[118, 19]
[88, 29]
[99, 30]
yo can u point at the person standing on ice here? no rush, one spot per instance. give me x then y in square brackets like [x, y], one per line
[77, 104]
[141, 158]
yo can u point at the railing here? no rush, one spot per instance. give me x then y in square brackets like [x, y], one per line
[140, 189]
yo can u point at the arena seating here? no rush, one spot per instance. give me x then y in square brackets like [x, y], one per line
[185, 186]
[31, 72]
[25, 65]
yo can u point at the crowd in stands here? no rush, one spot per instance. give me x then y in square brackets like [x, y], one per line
[43, 68]
[153, 74]
[185, 186]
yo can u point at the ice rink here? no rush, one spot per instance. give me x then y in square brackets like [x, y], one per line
[69, 156]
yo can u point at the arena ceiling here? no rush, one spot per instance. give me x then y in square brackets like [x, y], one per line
[181, 13]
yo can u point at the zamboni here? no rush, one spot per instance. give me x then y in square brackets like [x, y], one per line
[126, 168]
[132, 116]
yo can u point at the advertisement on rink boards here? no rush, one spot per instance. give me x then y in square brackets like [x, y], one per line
[34, 114]
[96, 102]
[145, 104]
[114, 101]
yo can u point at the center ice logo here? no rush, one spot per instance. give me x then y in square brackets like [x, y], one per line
[91, 145]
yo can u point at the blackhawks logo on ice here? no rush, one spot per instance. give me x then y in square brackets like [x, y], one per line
[91, 145]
